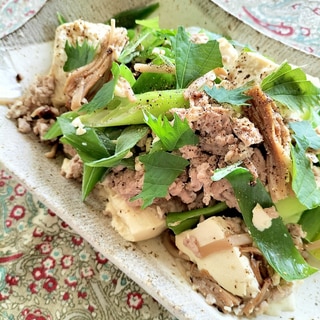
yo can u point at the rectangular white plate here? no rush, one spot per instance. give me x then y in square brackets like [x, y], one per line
[147, 263]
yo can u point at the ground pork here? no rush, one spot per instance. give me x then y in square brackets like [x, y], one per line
[34, 111]
[72, 168]
[224, 139]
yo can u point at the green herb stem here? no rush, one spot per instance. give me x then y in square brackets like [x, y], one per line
[129, 113]
[181, 221]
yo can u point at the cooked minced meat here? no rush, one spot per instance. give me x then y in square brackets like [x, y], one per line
[34, 111]
[224, 139]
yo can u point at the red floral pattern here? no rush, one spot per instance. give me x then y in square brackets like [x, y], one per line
[135, 300]
[35, 314]
[17, 212]
[55, 271]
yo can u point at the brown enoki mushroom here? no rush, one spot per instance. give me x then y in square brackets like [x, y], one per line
[82, 80]
[276, 138]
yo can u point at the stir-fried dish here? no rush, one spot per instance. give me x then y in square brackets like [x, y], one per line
[193, 137]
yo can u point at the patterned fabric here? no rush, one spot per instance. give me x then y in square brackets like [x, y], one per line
[47, 271]
[14, 13]
[295, 23]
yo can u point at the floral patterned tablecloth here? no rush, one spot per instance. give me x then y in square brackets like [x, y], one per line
[49, 272]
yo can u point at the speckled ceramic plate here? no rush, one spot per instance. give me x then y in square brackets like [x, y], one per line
[147, 263]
